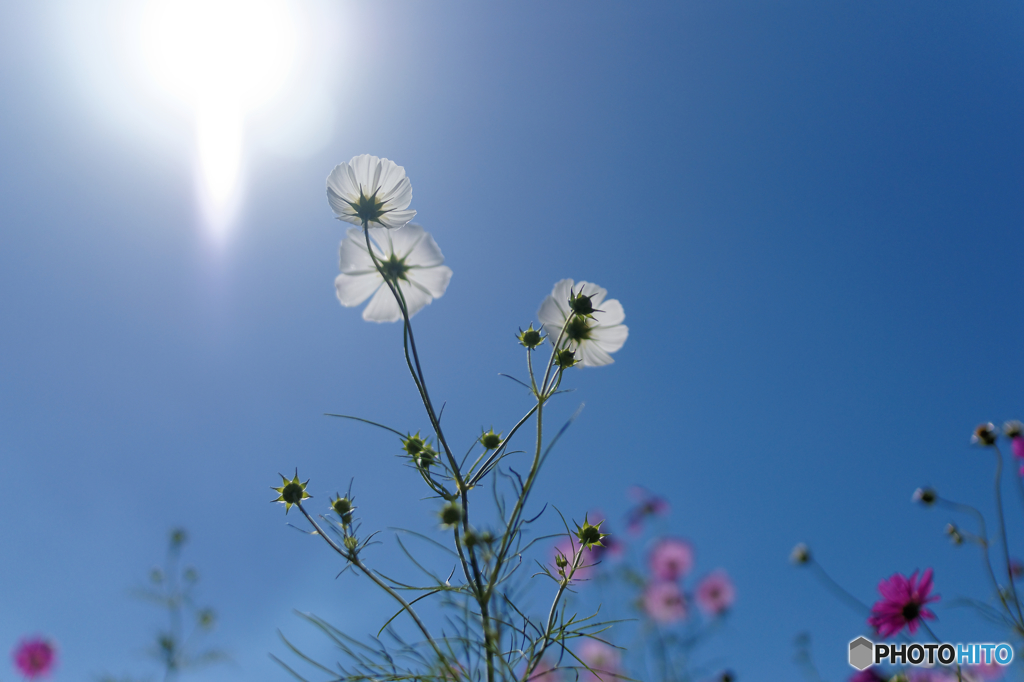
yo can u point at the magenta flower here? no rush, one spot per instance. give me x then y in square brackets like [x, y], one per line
[867, 675]
[671, 558]
[1017, 444]
[715, 593]
[902, 603]
[647, 505]
[664, 602]
[985, 671]
[603, 659]
[35, 657]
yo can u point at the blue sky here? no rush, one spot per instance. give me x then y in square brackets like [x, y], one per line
[811, 213]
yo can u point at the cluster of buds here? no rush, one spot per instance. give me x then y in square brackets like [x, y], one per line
[422, 453]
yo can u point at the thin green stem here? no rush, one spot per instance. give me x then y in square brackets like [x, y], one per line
[354, 559]
[1002, 530]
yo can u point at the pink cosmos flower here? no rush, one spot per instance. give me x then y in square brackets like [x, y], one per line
[1017, 444]
[671, 558]
[867, 675]
[603, 659]
[546, 671]
[647, 505]
[35, 657]
[715, 593]
[902, 603]
[985, 671]
[664, 602]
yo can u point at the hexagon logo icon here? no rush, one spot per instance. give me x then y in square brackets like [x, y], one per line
[862, 653]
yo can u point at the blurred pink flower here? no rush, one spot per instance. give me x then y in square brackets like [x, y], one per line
[647, 505]
[1017, 444]
[544, 672]
[902, 603]
[715, 593]
[671, 558]
[664, 602]
[603, 659]
[985, 671]
[35, 657]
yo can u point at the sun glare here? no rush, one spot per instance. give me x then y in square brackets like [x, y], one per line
[222, 59]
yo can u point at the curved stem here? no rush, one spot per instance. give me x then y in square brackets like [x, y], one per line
[354, 559]
[1002, 530]
[535, 660]
[838, 589]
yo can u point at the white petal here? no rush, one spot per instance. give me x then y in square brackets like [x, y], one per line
[433, 280]
[405, 238]
[561, 293]
[353, 258]
[611, 338]
[590, 289]
[611, 313]
[382, 307]
[424, 253]
[354, 289]
[415, 297]
[592, 355]
[364, 169]
[396, 219]
[551, 317]
[393, 187]
[339, 182]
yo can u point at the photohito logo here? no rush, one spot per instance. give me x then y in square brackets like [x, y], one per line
[864, 653]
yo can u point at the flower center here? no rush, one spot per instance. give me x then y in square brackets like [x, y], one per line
[911, 611]
[368, 208]
[577, 329]
[394, 268]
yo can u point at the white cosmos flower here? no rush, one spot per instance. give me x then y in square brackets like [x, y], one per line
[411, 259]
[594, 337]
[372, 190]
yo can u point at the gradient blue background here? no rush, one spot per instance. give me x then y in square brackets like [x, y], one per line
[811, 212]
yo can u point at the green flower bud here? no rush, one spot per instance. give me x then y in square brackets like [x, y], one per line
[206, 618]
[451, 515]
[413, 444]
[351, 543]
[427, 457]
[581, 305]
[590, 536]
[561, 561]
[491, 440]
[531, 338]
[179, 536]
[565, 358]
[343, 507]
[291, 492]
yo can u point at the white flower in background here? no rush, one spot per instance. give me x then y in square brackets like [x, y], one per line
[411, 260]
[594, 335]
[372, 190]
